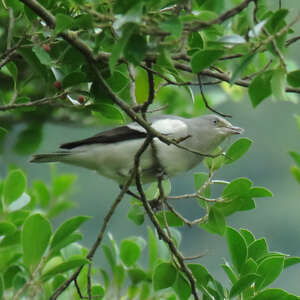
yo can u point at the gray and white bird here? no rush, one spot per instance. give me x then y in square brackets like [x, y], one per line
[111, 153]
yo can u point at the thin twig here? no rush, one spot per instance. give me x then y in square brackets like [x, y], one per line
[131, 72]
[205, 100]
[10, 27]
[151, 89]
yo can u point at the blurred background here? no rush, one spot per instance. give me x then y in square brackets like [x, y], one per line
[273, 130]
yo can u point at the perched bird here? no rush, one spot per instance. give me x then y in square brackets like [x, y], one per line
[111, 153]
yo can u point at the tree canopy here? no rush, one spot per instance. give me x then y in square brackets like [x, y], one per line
[99, 62]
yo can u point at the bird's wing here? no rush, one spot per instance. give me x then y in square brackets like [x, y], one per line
[167, 126]
[118, 134]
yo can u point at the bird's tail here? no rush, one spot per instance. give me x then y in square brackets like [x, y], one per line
[49, 157]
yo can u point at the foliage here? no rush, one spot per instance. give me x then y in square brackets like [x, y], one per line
[97, 62]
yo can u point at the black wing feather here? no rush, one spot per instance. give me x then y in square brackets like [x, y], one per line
[114, 135]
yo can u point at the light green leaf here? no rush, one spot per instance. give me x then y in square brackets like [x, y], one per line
[7, 228]
[248, 236]
[63, 183]
[204, 58]
[164, 276]
[182, 287]
[237, 248]
[296, 157]
[13, 70]
[153, 251]
[36, 233]
[137, 275]
[119, 275]
[108, 111]
[237, 150]
[172, 25]
[129, 252]
[258, 249]
[290, 261]
[42, 193]
[260, 192]
[278, 83]
[229, 272]
[136, 214]
[42, 55]
[172, 219]
[296, 173]
[14, 186]
[216, 221]
[200, 273]
[274, 294]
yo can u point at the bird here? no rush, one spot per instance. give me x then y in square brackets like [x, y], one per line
[111, 152]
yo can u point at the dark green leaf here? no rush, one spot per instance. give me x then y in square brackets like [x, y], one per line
[269, 269]
[1, 287]
[204, 58]
[36, 234]
[239, 69]
[172, 219]
[63, 22]
[216, 222]
[182, 287]
[293, 78]
[290, 261]
[119, 275]
[10, 275]
[7, 228]
[242, 284]
[229, 272]
[249, 267]
[164, 276]
[73, 79]
[260, 88]
[13, 70]
[201, 275]
[137, 275]
[66, 229]
[136, 48]
[296, 157]
[237, 248]
[14, 186]
[84, 21]
[109, 111]
[98, 292]
[195, 40]
[237, 150]
[129, 252]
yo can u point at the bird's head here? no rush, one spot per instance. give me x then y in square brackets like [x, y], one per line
[221, 126]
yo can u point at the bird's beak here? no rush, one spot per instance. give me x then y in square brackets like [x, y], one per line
[235, 130]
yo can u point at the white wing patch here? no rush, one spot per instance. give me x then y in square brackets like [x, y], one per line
[170, 126]
[164, 126]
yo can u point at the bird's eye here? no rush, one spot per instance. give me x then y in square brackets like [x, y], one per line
[216, 121]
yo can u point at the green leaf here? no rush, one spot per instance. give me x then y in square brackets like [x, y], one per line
[136, 214]
[260, 192]
[72, 238]
[10, 275]
[97, 292]
[153, 251]
[63, 183]
[42, 55]
[1, 287]
[74, 78]
[182, 287]
[14, 186]
[269, 269]
[242, 284]
[290, 261]
[278, 83]
[200, 273]
[296, 173]
[66, 229]
[119, 275]
[63, 22]
[240, 68]
[172, 219]
[237, 248]
[260, 88]
[84, 21]
[164, 276]
[120, 45]
[72, 263]
[36, 233]
[296, 157]
[274, 294]
[248, 236]
[249, 267]
[13, 70]
[7, 228]
[129, 252]
[205, 58]
[136, 48]
[42, 193]
[136, 275]
[195, 40]
[172, 25]
[258, 249]
[216, 221]
[229, 272]
[109, 111]
[237, 150]
[199, 180]
[293, 78]
[29, 139]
